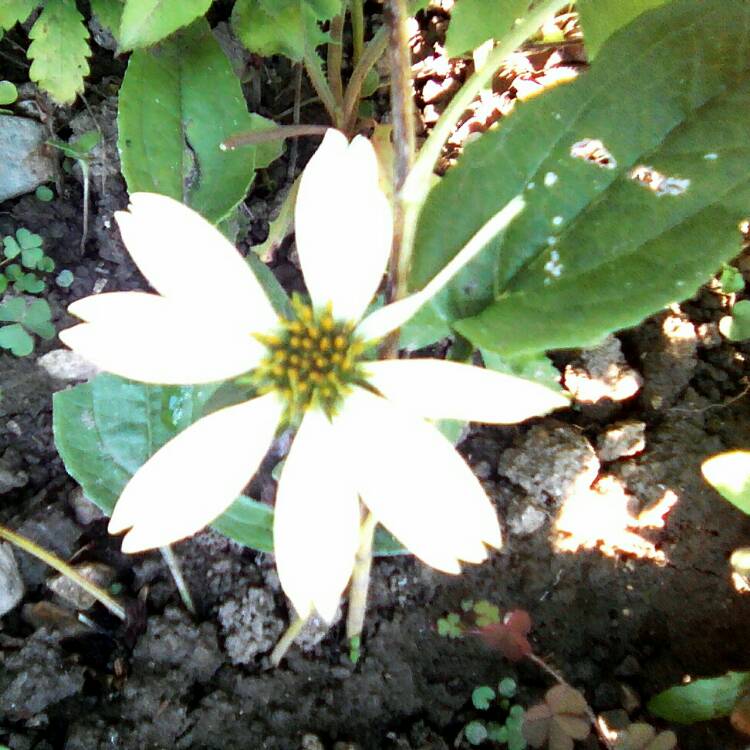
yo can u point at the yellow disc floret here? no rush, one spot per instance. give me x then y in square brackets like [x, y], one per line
[312, 361]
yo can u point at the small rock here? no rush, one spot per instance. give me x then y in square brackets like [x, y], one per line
[527, 522]
[11, 585]
[251, 625]
[67, 365]
[630, 700]
[11, 479]
[602, 373]
[550, 460]
[54, 618]
[311, 742]
[622, 439]
[85, 510]
[24, 156]
[98, 573]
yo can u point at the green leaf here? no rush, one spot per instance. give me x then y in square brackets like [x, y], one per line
[248, 522]
[27, 239]
[8, 92]
[15, 338]
[274, 291]
[597, 249]
[65, 278]
[37, 318]
[15, 11]
[482, 696]
[30, 257]
[12, 310]
[280, 27]
[30, 283]
[59, 49]
[109, 14]
[145, 22]
[736, 327]
[3, 283]
[731, 280]
[729, 474]
[507, 687]
[601, 18]
[11, 248]
[85, 142]
[14, 272]
[473, 22]
[700, 700]
[475, 732]
[169, 132]
[44, 194]
[46, 264]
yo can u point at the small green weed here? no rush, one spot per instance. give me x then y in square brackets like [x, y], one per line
[507, 728]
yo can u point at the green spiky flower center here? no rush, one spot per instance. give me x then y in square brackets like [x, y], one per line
[312, 360]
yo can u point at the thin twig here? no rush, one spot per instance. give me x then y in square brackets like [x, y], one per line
[62, 567]
[176, 570]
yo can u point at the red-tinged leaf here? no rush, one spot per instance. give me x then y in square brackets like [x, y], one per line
[563, 699]
[509, 636]
[535, 727]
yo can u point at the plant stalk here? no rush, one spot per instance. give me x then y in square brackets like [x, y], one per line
[370, 55]
[176, 570]
[360, 584]
[357, 11]
[418, 182]
[335, 56]
[286, 640]
[320, 84]
[62, 567]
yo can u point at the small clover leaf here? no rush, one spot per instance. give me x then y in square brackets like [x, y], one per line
[731, 280]
[38, 317]
[497, 732]
[487, 614]
[27, 239]
[482, 696]
[8, 92]
[475, 732]
[29, 283]
[44, 194]
[642, 736]
[507, 687]
[12, 310]
[14, 272]
[509, 636]
[467, 605]
[514, 726]
[65, 278]
[14, 337]
[3, 283]
[450, 626]
[46, 264]
[736, 327]
[561, 719]
[31, 257]
[11, 248]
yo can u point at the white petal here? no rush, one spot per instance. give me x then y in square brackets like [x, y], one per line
[344, 225]
[185, 257]
[316, 521]
[196, 475]
[415, 483]
[382, 321]
[437, 389]
[149, 338]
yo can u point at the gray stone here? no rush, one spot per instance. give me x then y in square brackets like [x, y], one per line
[85, 510]
[67, 365]
[529, 520]
[11, 480]
[11, 585]
[25, 159]
[622, 439]
[250, 625]
[98, 573]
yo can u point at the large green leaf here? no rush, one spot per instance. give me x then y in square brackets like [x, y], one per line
[178, 103]
[108, 13]
[106, 429]
[601, 18]
[145, 22]
[13, 11]
[282, 27]
[596, 250]
[700, 700]
[475, 21]
[59, 49]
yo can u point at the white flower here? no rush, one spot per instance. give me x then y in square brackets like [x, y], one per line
[363, 433]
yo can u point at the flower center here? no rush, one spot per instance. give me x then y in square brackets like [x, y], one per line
[312, 361]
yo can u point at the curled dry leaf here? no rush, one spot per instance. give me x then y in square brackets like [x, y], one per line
[508, 636]
[642, 736]
[560, 720]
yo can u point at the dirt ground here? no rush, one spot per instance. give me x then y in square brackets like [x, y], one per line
[624, 602]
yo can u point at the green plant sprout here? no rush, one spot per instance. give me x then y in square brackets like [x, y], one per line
[24, 318]
[8, 94]
[79, 149]
[504, 730]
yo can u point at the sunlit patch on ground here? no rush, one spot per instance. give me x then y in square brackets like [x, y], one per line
[601, 518]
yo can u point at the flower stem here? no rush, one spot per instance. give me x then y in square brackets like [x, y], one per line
[359, 586]
[320, 84]
[335, 56]
[419, 181]
[286, 640]
[62, 567]
[371, 54]
[358, 28]
[176, 570]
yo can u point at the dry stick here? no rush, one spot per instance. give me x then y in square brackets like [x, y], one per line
[403, 129]
[254, 137]
[320, 84]
[562, 681]
[294, 149]
[418, 182]
[335, 56]
[62, 567]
